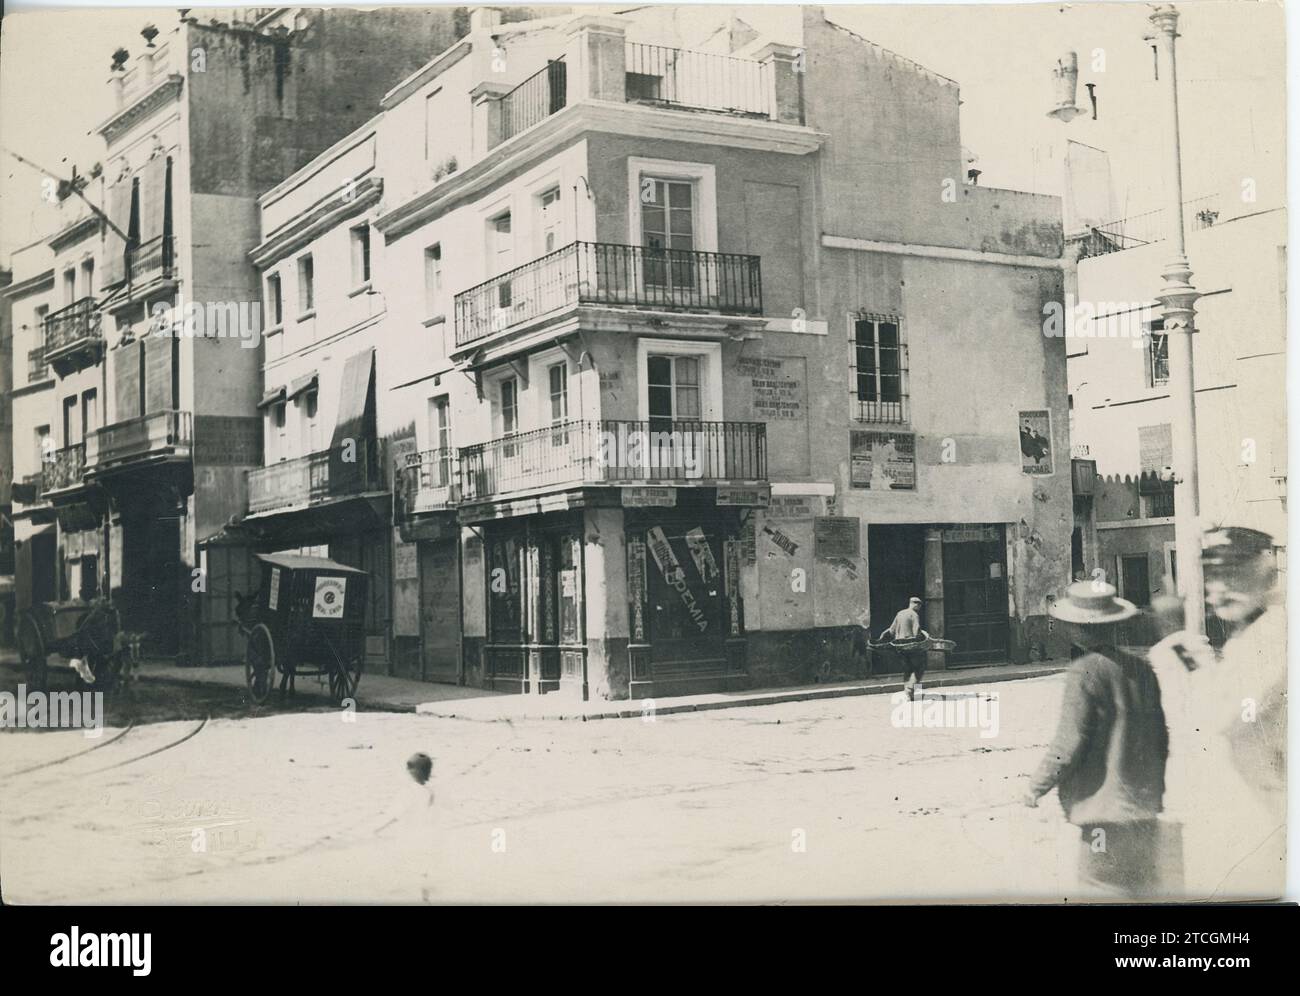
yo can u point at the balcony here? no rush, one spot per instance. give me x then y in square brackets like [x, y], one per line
[599, 273]
[615, 452]
[155, 438]
[304, 481]
[1148, 227]
[701, 81]
[38, 369]
[73, 331]
[431, 479]
[63, 473]
[151, 261]
[535, 99]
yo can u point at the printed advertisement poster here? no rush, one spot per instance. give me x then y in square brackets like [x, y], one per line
[328, 602]
[882, 461]
[1036, 442]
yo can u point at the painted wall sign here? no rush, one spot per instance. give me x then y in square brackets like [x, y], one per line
[229, 440]
[1036, 442]
[781, 540]
[777, 386]
[970, 534]
[731, 558]
[836, 538]
[698, 546]
[649, 497]
[406, 565]
[636, 585]
[795, 507]
[748, 540]
[328, 602]
[273, 597]
[671, 569]
[747, 497]
[882, 461]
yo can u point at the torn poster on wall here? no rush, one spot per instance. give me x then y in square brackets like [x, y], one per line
[882, 461]
[698, 546]
[781, 540]
[671, 569]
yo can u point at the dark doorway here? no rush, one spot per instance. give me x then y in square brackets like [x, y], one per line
[896, 571]
[975, 594]
[45, 581]
[1136, 580]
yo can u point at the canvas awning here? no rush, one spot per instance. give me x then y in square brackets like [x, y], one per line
[354, 429]
[301, 384]
[272, 397]
[119, 213]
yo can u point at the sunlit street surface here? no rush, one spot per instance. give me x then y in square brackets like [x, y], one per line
[810, 800]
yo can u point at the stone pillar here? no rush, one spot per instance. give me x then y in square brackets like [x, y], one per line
[605, 593]
[117, 82]
[597, 58]
[486, 121]
[783, 68]
[934, 594]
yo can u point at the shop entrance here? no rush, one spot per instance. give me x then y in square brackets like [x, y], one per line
[896, 572]
[975, 593]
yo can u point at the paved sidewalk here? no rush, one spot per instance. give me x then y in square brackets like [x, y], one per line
[376, 691]
[503, 708]
[383, 692]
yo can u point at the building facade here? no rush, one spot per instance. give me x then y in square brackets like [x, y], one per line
[145, 413]
[1119, 387]
[667, 385]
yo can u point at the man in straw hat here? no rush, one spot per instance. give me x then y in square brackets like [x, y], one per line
[1107, 760]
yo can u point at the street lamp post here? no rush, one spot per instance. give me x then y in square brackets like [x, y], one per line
[1178, 308]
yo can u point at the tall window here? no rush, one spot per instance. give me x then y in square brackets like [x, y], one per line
[310, 405]
[44, 445]
[878, 358]
[501, 247]
[71, 427]
[88, 278]
[558, 382]
[306, 285]
[432, 279]
[668, 223]
[440, 437]
[89, 411]
[509, 412]
[672, 390]
[360, 255]
[274, 300]
[69, 285]
[1157, 354]
[549, 226]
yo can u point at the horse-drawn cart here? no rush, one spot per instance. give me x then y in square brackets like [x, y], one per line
[308, 618]
[84, 639]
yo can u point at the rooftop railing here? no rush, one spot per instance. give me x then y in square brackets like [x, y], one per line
[535, 99]
[706, 81]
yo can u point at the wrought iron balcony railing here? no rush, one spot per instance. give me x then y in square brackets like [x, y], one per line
[152, 260]
[431, 479]
[145, 437]
[535, 99]
[615, 452]
[1148, 227]
[705, 81]
[305, 480]
[615, 275]
[65, 470]
[71, 328]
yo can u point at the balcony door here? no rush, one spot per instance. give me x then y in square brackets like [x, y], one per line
[675, 408]
[668, 232]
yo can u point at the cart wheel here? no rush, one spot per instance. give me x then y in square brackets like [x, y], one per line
[344, 680]
[31, 649]
[259, 663]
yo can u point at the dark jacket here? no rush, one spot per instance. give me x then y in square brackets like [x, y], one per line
[1107, 760]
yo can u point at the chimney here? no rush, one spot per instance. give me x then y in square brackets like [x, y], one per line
[483, 19]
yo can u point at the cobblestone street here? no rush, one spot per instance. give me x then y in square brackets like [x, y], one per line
[821, 799]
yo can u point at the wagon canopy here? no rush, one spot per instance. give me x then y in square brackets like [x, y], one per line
[299, 562]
